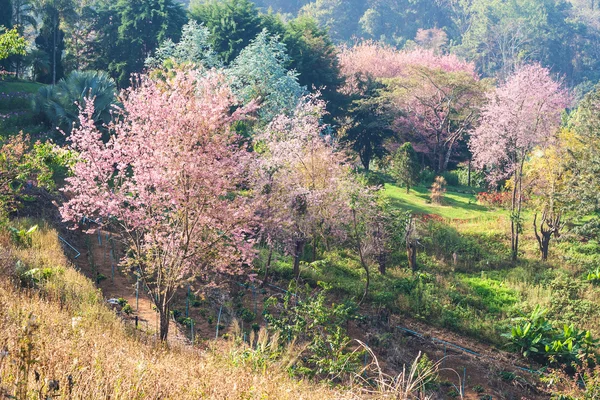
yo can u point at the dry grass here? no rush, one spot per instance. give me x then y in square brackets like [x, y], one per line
[60, 340]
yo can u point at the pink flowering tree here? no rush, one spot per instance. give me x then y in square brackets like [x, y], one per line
[299, 179]
[522, 114]
[167, 182]
[437, 96]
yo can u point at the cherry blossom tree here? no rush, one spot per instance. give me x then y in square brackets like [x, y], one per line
[300, 176]
[381, 61]
[167, 182]
[522, 114]
[437, 96]
[437, 109]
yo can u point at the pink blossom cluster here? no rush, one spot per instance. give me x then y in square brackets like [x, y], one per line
[378, 60]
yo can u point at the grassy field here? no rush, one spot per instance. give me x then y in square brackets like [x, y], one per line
[484, 290]
[457, 204]
[15, 109]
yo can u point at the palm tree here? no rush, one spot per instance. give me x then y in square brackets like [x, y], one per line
[59, 103]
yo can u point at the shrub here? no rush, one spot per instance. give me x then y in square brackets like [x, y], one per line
[22, 237]
[536, 338]
[477, 177]
[59, 103]
[304, 315]
[438, 189]
[127, 309]
[247, 315]
[494, 199]
[451, 178]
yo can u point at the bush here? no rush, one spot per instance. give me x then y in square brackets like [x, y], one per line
[426, 176]
[438, 190]
[127, 309]
[451, 178]
[59, 103]
[305, 316]
[495, 199]
[536, 338]
[477, 177]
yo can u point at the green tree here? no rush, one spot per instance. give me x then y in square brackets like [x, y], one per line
[314, 56]
[583, 189]
[23, 16]
[259, 73]
[6, 17]
[11, 43]
[143, 25]
[369, 123]
[405, 166]
[233, 24]
[194, 47]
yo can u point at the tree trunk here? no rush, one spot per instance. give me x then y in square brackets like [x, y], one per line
[363, 262]
[545, 233]
[164, 319]
[54, 50]
[382, 260]
[411, 251]
[469, 175]
[268, 266]
[297, 254]
[514, 219]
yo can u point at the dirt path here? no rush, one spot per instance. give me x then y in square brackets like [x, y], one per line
[118, 284]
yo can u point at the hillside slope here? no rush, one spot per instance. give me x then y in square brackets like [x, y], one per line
[59, 339]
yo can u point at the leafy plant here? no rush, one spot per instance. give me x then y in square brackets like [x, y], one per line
[303, 315]
[22, 237]
[536, 338]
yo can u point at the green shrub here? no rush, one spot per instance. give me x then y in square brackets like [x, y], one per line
[22, 237]
[304, 315]
[451, 178]
[127, 309]
[536, 338]
[247, 315]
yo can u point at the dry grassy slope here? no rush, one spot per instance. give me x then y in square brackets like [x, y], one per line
[72, 336]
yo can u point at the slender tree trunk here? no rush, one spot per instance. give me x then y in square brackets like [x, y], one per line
[297, 254]
[54, 50]
[268, 266]
[382, 262]
[363, 262]
[164, 319]
[517, 203]
[411, 251]
[469, 174]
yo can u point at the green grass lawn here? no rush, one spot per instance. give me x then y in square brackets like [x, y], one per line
[16, 114]
[12, 86]
[458, 205]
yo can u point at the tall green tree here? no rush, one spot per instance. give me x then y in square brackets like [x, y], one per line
[143, 25]
[259, 73]
[405, 166]
[369, 124]
[23, 17]
[50, 38]
[6, 16]
[583, 187]
[233, 24]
